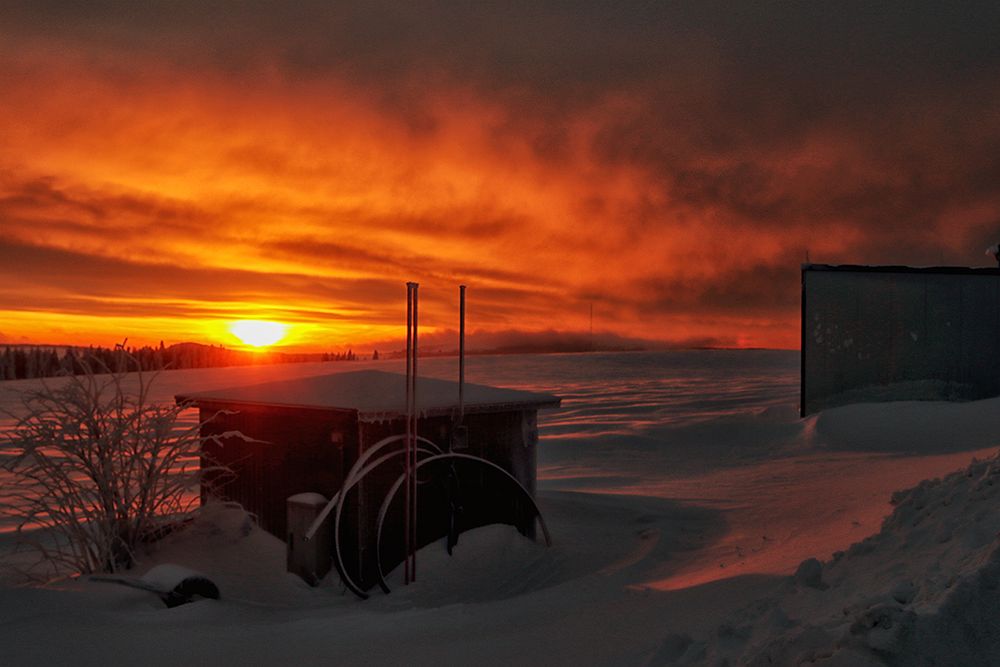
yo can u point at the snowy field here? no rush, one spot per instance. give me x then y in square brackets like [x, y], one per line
[696, 520]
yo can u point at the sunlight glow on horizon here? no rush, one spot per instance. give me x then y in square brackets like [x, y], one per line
[258, 333]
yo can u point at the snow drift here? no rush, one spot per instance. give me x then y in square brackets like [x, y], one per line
[922, 591]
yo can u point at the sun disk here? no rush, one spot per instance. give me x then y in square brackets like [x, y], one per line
[258, 333]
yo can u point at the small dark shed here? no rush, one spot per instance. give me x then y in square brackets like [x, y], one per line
[304, 436]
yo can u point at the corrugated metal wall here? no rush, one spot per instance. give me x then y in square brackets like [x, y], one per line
[898, 333]
[291, 453]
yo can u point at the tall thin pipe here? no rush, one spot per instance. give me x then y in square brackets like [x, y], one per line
[461, 353]
[409, 434]
[413, 443]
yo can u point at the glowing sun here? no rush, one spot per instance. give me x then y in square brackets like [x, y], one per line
[258, 333]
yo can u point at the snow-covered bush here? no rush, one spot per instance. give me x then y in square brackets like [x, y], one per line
[92, 469]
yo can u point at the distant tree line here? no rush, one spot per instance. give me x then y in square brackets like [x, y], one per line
[19, 362]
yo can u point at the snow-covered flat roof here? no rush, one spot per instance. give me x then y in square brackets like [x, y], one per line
[886, 268]
[375, 395]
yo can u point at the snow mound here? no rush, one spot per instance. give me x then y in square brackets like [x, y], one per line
[922, 427]
[922, 591]
[492, 562]
[224, 545]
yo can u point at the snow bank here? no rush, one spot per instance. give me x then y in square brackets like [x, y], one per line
[920, 427]
[922, 591]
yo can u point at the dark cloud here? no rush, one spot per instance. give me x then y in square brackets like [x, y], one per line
[810, 52]
[36, 207]
[764, 290]
[417, 266]
[27, 269]
[551, 340]
[44, 203]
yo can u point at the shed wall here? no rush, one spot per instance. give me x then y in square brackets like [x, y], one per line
[462, 492]
[291, 451]
[886, 333]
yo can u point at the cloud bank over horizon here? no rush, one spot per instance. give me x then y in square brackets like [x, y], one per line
[167, 167]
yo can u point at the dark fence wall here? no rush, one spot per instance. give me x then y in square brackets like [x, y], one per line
[898, 333]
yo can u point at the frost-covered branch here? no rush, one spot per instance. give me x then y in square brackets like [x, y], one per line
[93, 470]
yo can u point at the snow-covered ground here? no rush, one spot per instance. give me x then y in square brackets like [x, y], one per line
[685, 498]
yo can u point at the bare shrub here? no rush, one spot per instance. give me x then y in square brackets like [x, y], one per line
[95, 469]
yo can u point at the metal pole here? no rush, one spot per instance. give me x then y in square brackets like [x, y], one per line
[413, 444]
[406, 444]
[461, 353]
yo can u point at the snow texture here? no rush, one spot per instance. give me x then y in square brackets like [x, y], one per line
[375, 395]
[696, 520]
[922, 591]
[313, 499]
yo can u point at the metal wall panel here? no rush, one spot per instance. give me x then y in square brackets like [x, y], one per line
[898, 333]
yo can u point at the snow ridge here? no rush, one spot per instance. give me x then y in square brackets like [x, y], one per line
[922, 591]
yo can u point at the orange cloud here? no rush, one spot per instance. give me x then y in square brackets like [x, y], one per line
[157, 178]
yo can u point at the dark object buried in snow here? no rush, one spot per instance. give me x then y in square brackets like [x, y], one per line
[175, 585]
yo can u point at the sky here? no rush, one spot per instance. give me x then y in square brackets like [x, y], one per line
[169, 167]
